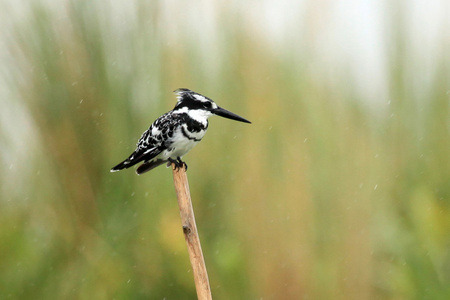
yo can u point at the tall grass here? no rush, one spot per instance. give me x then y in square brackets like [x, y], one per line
[327, 195]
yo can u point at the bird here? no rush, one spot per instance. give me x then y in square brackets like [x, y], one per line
[175, 133]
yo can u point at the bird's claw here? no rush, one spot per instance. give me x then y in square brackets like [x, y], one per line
[178, 163]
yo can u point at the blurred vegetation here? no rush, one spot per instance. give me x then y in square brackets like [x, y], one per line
[327, 195]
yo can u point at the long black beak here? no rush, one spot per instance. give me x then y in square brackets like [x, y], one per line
[229, 115]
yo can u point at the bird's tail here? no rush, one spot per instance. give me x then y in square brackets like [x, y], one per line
[123, 165]
[129, 162]
[149, 165]
[138, 156]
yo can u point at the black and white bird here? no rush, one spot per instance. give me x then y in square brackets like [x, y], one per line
[175, 133]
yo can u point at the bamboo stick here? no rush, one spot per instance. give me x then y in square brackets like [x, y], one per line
[190, 233]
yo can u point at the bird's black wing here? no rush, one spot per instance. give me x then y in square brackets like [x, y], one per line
[152, 142]
[149, 165]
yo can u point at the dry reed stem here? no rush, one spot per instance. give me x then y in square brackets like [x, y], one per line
[190, 234]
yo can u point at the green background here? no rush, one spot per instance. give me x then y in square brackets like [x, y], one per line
[340, 189]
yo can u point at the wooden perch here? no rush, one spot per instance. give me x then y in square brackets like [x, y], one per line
[190, 233]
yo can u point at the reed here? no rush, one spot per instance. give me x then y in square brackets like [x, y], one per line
[191, 234]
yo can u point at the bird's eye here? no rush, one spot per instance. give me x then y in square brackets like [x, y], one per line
[207, 104]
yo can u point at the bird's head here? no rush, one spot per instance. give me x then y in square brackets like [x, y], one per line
[199, 106]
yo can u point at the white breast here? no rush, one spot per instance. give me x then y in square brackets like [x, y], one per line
[180, 144]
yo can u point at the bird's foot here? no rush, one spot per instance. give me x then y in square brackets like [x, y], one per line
[178, 163]
[182, 163]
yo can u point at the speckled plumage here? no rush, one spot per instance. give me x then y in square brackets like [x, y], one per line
[175, 133]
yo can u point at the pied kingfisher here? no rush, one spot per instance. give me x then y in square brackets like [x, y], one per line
[175, 133]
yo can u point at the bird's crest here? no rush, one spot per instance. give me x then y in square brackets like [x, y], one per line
[181, 92]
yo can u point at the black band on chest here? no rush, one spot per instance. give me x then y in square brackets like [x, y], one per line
[186, 135]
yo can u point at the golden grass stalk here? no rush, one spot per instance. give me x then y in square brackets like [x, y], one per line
[190, 233]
